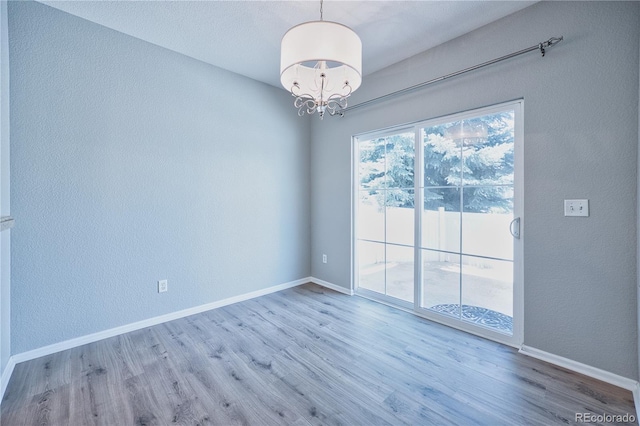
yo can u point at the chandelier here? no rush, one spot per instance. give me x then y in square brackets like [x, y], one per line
[321, 65]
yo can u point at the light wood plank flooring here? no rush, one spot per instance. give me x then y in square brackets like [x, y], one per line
[302, 356]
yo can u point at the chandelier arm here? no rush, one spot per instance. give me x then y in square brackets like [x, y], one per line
[301, 102]
[304, 97]
[346, 84]
[336, 101]
[336, 105]
[305, 105]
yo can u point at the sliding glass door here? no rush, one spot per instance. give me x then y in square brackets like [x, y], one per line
[435, 220]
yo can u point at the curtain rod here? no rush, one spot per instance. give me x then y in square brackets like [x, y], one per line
[542, 46]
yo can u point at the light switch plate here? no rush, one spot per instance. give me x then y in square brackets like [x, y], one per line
[576, 208]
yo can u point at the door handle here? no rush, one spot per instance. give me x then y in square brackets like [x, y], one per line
[514, 228]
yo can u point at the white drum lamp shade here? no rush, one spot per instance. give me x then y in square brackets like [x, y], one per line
[321, 65]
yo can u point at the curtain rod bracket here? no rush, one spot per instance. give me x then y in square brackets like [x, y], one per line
[543, 46]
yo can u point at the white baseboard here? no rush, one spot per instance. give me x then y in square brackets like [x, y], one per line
[585, 369]
[332, 286]
[94, 337]
[6, 375]
[636, 398]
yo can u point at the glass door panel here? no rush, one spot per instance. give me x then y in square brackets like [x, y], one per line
[385, 215]
[468, 269]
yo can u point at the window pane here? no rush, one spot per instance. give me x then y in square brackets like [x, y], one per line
[488, 144]
[400, 272]
[371, 215]
[371, 266]
[399, 157]
[441, 219]
[488, 212]
[441, 282]
[487, 293]
[372, 163]
[442, 157]
[400, 216]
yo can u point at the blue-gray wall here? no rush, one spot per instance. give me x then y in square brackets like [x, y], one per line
[131, 163]
[5, 237]
[581, 141]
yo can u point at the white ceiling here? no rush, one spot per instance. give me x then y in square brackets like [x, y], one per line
[244, 36]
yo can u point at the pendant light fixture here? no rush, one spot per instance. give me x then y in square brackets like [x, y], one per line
[321, 65]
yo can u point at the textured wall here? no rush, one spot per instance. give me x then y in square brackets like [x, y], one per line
[5, 237]
[581, 141]
[132, 163]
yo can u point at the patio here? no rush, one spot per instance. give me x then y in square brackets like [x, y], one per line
[487, 292]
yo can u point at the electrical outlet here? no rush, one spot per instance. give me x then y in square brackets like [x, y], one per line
[324, 258]
[163, 285]
[576, 208]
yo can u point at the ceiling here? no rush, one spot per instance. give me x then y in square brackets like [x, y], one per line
[244, 36]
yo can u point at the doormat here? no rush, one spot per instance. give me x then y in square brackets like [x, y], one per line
[477, 315]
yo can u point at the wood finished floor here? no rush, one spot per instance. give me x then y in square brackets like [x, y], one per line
[302, 356]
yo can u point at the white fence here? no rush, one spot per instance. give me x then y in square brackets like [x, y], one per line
[483, 234]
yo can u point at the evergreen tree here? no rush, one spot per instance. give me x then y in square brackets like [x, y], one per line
[474, 156]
